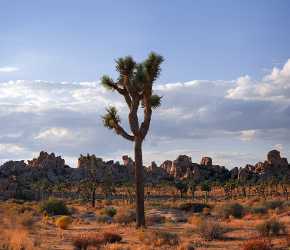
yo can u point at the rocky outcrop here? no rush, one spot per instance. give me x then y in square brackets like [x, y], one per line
[206, 161]
[234, 173]
[52, 169]
[183, 168]
[274, 167]
[45, 160]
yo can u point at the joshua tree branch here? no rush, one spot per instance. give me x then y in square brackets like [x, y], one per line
[120, 131]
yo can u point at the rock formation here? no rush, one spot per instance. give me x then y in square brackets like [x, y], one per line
[15, 175]
[206, 161]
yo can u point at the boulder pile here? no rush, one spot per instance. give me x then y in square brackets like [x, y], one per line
[15, 175]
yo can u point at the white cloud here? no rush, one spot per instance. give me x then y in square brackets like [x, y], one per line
[53, 133]
[65, 118]
[247, 135]
[8, 69]
[273, 87]
[10, 148]
[279, 147]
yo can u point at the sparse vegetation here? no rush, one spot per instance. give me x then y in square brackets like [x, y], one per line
[271, 227]
[155, 219]
[109, 211]
[125, 216]
[63, 222]
[109, 237]
[159, 238]
[193, 207]
[210, 230]
[258, 244]
[235, 210]
[54, 207]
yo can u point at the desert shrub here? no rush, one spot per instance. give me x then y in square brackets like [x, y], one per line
[196, 220]
[104, 219]
[125, 216]
[116, 246]
[210, 230]
[159, 238]
[54, 207]
[258, 210]
[83, 241]
[155, 219]
[206, 211]
[273, 204]
[63, 222]
[233, 209]
[193, 207]
[17, 239]
[26, 219]
[186, 246]
[257, 245]
[271, 227]
[109, 211]
[109, 237]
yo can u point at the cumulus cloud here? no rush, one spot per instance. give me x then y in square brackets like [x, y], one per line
[53, 133]
[273, 87]
[8, 69]
[248, 135]
[198, 117]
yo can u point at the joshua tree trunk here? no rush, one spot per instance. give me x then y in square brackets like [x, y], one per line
[140, 220]
[94, 197]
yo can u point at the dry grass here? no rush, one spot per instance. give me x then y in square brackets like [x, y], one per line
[159, 238]
[17, 239]
[63, 222]
[211, 230]
[23, 221]
[125, 216]
[258, 244]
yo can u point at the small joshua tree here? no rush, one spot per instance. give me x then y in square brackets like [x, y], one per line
[135, 84]
[89, 185]
[182, 187]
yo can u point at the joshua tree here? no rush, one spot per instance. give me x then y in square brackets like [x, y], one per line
[135, 84]
[89, 185]
[192, 187]
[182, 187]
[206, 188]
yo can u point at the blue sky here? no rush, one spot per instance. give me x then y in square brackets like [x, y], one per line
[236, 47]
[77, 40]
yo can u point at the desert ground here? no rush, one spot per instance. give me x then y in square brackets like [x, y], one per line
[172, 223]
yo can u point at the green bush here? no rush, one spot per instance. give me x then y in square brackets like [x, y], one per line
[235, 209]
[54, 207]
[271, 227]
[109, 211]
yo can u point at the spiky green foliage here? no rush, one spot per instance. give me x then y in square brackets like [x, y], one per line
[125, 66]
[134, 83]
[111, 118]
[155, 101]
[107, 82]
[152, 66]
